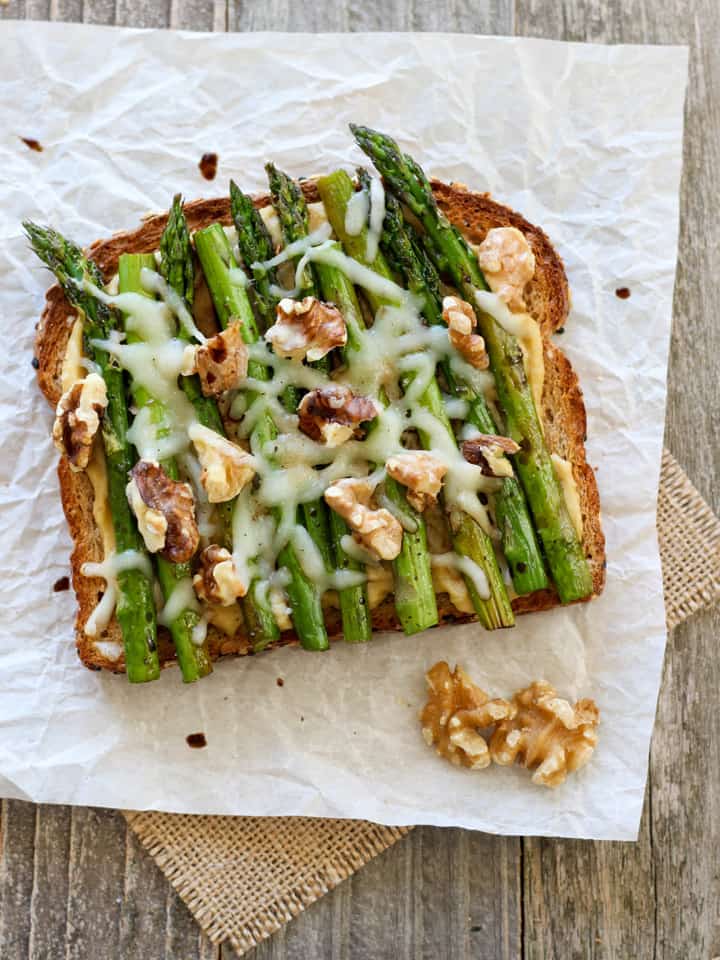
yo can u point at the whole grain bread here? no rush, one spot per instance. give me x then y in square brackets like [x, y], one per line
[563, 410]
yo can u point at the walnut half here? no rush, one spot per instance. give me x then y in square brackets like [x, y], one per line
[216, 580]
[77, 419]
[165, 512]
[508, 264]
[226, 468]
[487, 451]
[547, 734]
[332, 414]
[421, 473]
[221, 362]
[461, 321]
[455, 713]
[376, 528]
[306, 329]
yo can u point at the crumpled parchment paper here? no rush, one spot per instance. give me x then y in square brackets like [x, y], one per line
[585, 141]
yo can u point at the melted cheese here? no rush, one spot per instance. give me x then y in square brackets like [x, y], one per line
[228, 620]
[447, 580]
[564, 473]
[182, 598]
[467, 568]
[377, 216]
[108, 570]
[73, 369]
[380, 584]
[527, 331]
[356, 213]
[154, 364]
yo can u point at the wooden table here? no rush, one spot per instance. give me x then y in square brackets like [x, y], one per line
[75, 884]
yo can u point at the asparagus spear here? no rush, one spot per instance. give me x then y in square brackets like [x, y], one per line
[452, 255]
[193, 658]
[401, 247]
[231, 301]
[325, 526]
[469, 539]
[289, 203]
[135, 607]
[177, 267]
[415, 600]
[255, 245]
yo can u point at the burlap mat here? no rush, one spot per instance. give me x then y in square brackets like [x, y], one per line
[244, 877]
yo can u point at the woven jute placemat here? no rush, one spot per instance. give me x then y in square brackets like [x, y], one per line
[244, 877]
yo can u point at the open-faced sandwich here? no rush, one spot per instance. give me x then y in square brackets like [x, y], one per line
[332, 409]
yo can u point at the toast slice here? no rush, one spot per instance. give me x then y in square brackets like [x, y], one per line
[563, 412]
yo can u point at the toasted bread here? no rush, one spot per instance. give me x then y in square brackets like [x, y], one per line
[563, 410]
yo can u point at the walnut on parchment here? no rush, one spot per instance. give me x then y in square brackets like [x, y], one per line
[547, 734]
[536, 728]
[455, 713]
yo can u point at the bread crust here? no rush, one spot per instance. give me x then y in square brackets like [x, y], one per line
[563, 411]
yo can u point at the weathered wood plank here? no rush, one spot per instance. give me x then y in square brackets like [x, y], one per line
[461, 15]
[438, 893]
[142, 13]
[16, 877]
[96, 882]
[25, 10]
[69, 11]
[660, 898]
[685, 771]
[197, 14]
[98, 11]
[154, 922]
[586, 901]
[48, 904]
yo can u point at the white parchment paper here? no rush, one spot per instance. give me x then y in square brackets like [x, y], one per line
[584, 140]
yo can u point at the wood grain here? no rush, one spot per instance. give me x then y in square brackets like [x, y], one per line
[658, 899]
[76, 884]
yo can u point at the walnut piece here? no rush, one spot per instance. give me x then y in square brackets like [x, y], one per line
[77, 419]
[306, 329]
[373, 527]
[455, 712]
[331, 415]
[216, 580]
[547, 734]
[508, 264]
[221, 362]
[421, 473]
[165, 511]
[226, 468]
[487, 451]
[461, 320]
